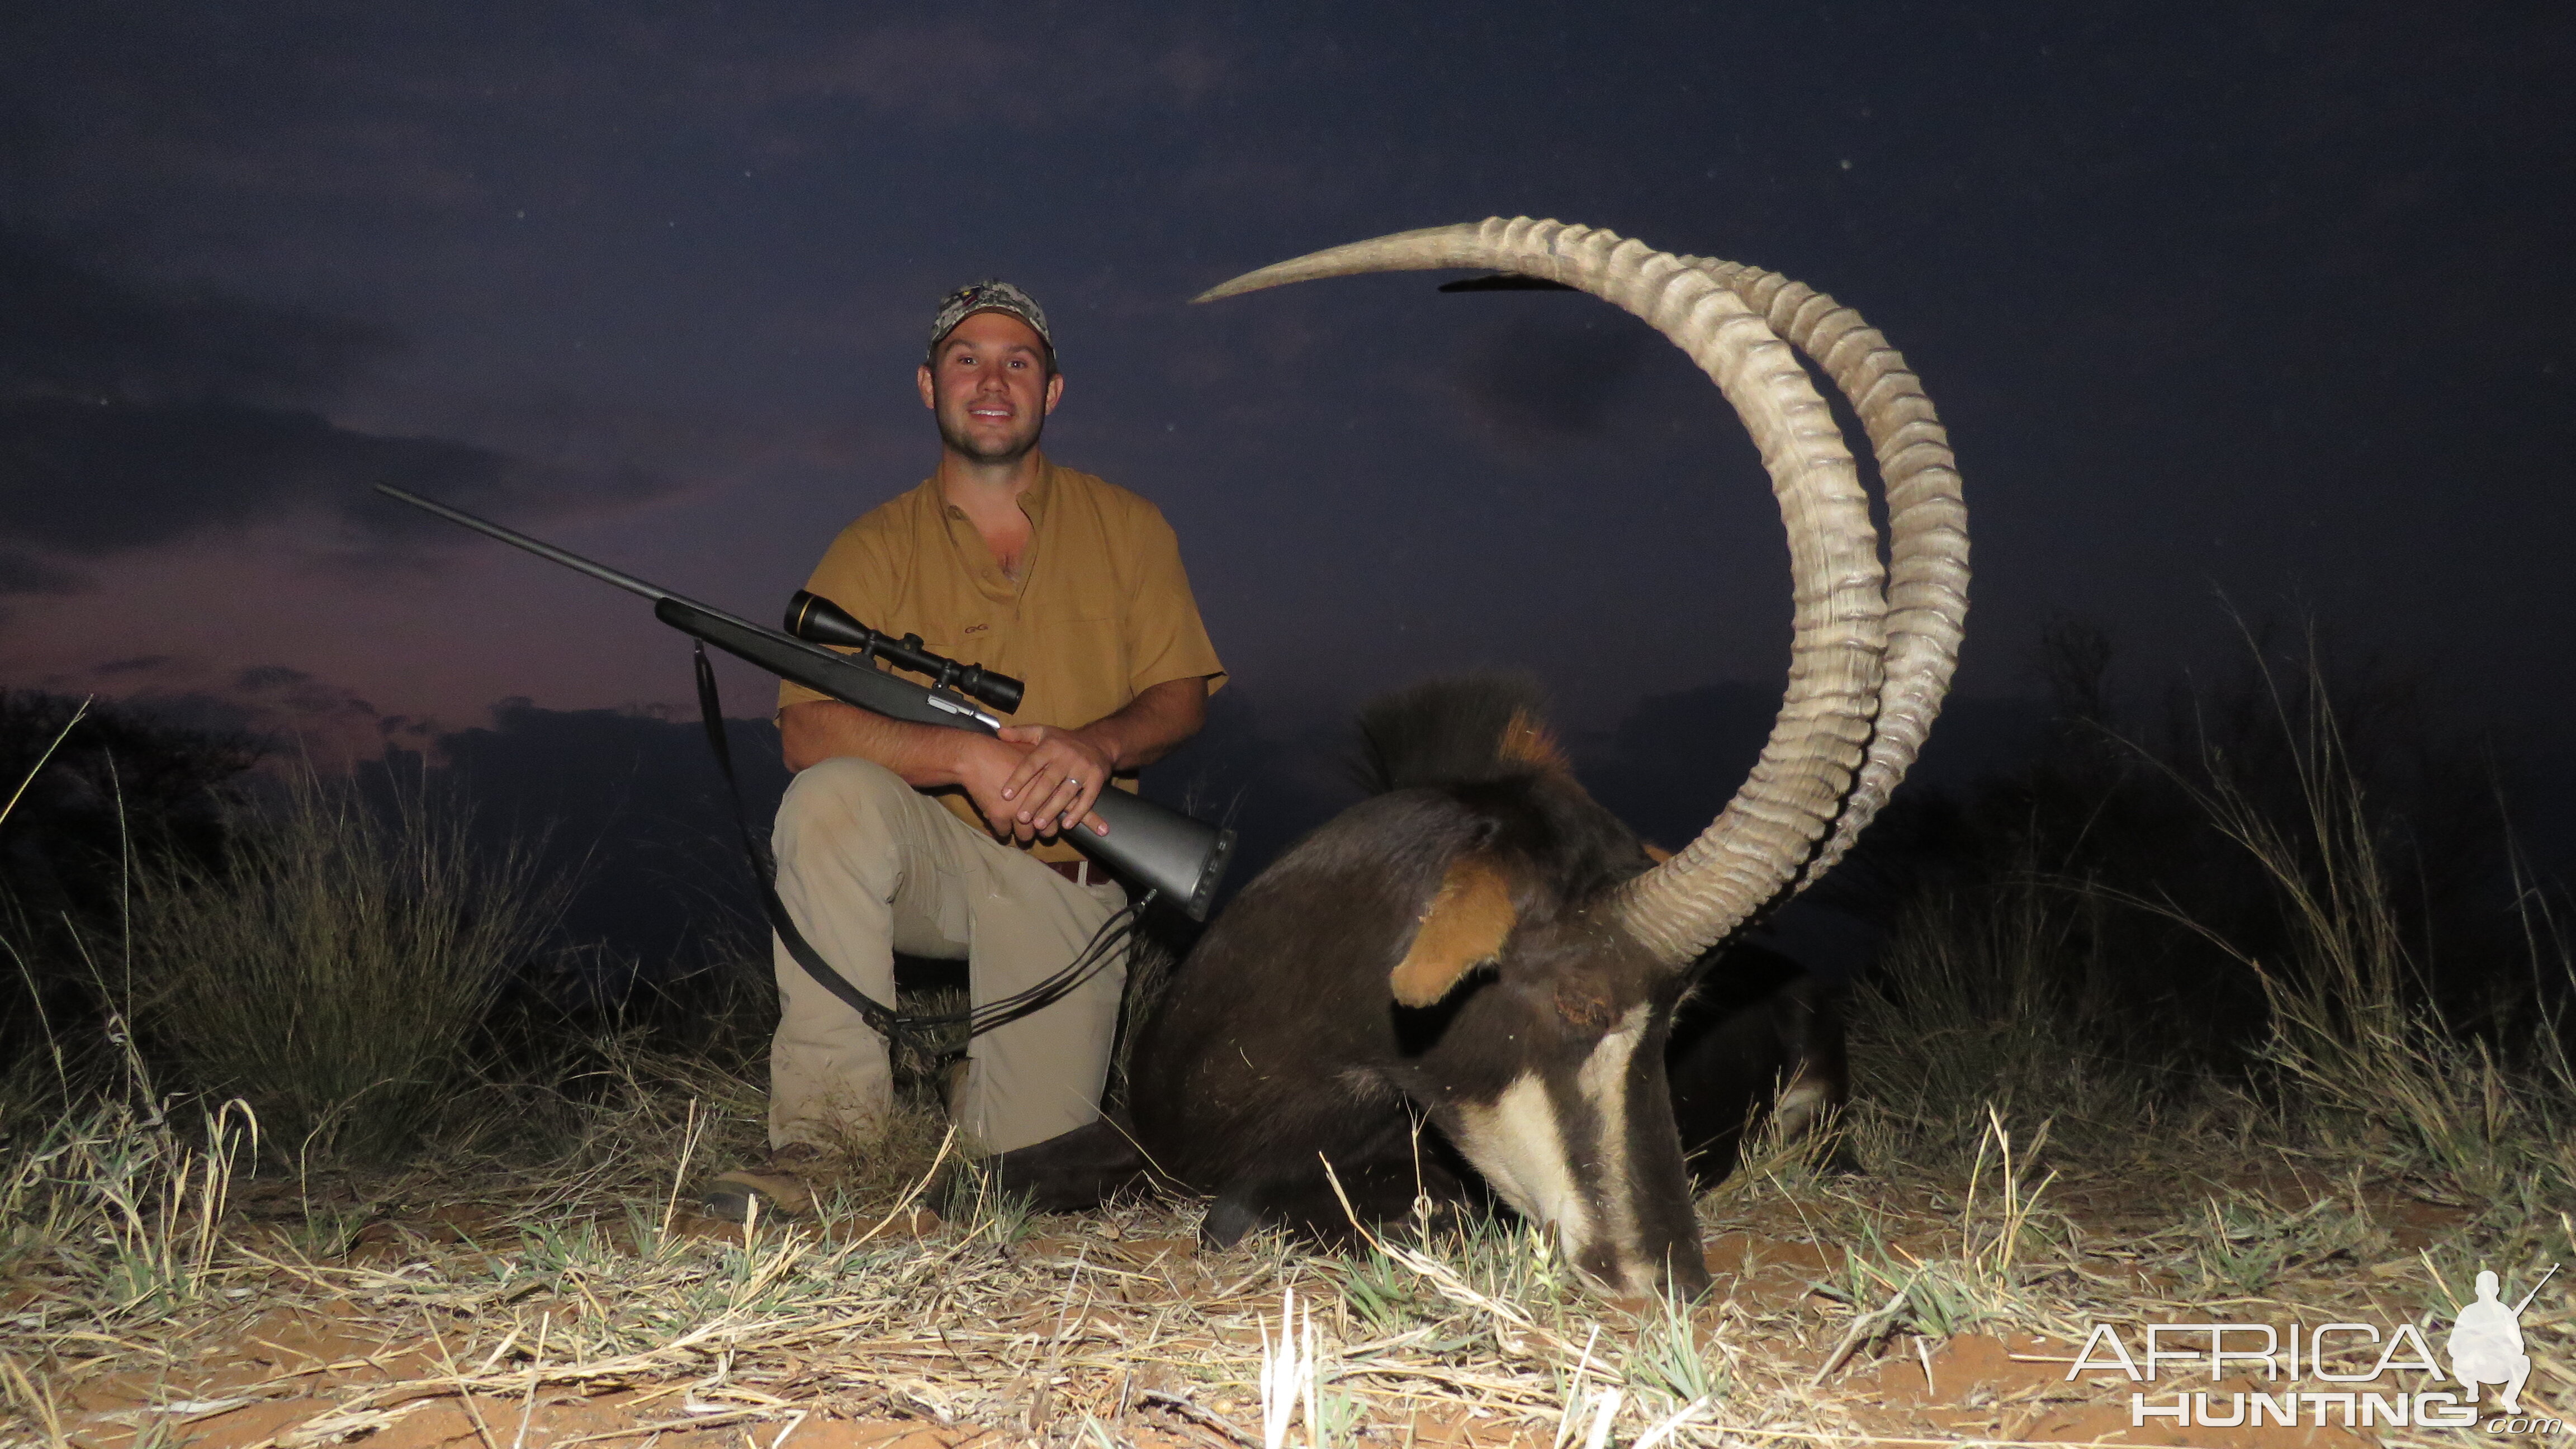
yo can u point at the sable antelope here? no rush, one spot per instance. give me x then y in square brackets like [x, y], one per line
[1481, 947]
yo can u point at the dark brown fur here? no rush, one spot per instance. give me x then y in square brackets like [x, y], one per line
[1281, 1046]
[1754, 1026]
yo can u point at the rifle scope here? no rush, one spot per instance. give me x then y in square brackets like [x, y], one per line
[812, 617]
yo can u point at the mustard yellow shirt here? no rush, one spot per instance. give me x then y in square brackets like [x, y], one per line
[1101, 610]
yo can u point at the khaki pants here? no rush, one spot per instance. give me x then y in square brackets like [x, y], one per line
[867, 867]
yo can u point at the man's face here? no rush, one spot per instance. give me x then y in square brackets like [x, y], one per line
[988, 387]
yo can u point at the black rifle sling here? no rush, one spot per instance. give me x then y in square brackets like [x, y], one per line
[880, 1018]
[884, 1021]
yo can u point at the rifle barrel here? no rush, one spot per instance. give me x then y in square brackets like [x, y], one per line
[515, 539]
[2535, 1290]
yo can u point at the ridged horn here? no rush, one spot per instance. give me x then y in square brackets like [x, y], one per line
[1772, 827]
[1927, 522]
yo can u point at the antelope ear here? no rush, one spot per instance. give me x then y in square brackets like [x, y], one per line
[1461, 929]
[1656, 853]
[1527, 740]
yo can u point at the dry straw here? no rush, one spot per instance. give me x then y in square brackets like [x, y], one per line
[2379, 1166]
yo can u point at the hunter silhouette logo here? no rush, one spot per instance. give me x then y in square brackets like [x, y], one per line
[2349, 1365]
[2486, 1342]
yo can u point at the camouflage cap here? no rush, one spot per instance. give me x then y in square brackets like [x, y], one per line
[989, 295]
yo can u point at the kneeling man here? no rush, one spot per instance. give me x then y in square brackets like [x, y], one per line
[944, 843]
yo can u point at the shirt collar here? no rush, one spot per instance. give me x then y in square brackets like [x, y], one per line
[1033, 502]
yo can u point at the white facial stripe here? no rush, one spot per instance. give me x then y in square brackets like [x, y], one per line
[1603, 1081]
[1518, 1144]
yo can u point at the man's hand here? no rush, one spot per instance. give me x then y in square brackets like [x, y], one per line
[1058, 778]
[1029, 781]
[981, 766]
[1066, 770]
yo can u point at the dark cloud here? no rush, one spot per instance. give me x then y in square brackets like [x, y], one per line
[307, 714]
[314, 720]
[1537, 381]
[24, 573]
[386, 110]
[301, 697]
[89, 478]
[74, 332]
[130, 417]
[964, 72]
[136, 664]
[196, 709]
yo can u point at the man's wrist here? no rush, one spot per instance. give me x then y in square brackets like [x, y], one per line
[956, 754]
[1103, 742]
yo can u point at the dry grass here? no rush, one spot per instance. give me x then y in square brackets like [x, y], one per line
[599, 1287]
[141, 1276]
[2026, 1175]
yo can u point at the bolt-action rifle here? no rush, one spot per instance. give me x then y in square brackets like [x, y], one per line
[1163, 850]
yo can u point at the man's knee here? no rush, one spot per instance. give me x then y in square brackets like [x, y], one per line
[838, 795]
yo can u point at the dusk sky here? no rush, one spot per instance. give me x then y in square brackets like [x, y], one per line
[2260, 303]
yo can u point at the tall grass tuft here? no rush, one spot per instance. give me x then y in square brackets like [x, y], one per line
[2234, 931]
[2353, 1005]
[1999, 995]
[333, 969]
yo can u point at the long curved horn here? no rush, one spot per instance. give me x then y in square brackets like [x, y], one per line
[1927, 522]
[1759, 843]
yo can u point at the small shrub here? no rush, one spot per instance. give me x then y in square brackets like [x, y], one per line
[332, 969]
